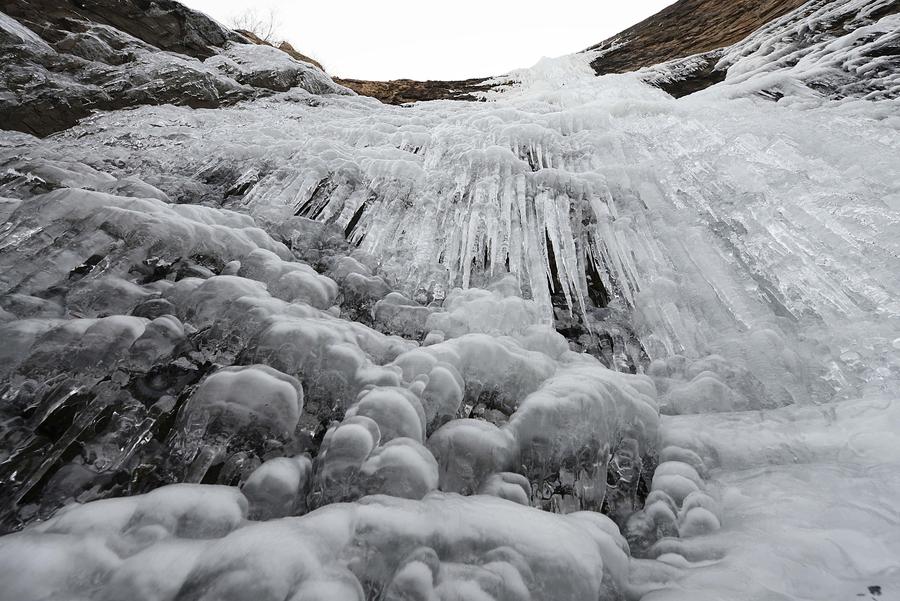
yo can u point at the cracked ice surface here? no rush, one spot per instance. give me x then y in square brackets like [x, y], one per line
[329, 321]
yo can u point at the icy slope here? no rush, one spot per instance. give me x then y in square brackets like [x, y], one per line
[579, 341]
[806, 497]
[844, 49]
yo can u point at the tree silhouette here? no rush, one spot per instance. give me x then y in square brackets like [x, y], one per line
[262, 25]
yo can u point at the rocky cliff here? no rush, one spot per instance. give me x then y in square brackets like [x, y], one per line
[61, 60]
[69, 58]
[683, 29]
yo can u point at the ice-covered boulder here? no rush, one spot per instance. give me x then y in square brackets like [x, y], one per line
[112, 55]
[263, 66]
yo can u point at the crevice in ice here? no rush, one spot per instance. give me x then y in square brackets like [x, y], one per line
[351, 225]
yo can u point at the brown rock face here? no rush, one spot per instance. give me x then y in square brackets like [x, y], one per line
[686, 28]
[401, 91]
[288, 49]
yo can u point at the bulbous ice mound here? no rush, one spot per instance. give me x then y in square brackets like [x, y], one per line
[194, 542]
[278, 487]
[255, 397]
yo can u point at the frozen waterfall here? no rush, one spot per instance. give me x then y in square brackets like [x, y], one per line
[580, 340]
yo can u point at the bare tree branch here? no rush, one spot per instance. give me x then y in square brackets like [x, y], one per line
[262, 25]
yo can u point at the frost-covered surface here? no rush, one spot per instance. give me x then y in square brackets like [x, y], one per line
[806, 494]
[580, 341]
[837, 49]
[268, 67]
[849, 48]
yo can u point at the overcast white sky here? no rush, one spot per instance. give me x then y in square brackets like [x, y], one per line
[427, 39]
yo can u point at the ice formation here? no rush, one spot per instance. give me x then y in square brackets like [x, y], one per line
[579, 341]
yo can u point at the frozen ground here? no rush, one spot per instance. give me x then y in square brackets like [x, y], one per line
[579, 341]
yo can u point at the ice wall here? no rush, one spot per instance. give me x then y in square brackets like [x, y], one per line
[697, 224]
